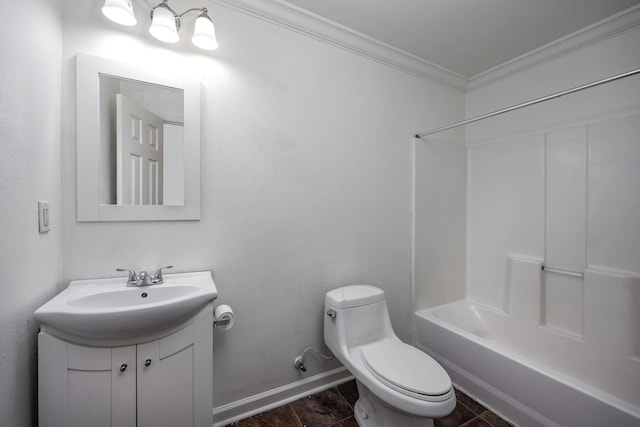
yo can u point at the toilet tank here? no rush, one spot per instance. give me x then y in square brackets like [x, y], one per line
[361, 317]
[354, 296]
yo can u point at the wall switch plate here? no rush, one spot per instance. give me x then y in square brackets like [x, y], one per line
[43, 216]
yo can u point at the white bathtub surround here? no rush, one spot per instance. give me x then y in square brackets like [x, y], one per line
[613, 235]
[534, 196]
[566, 194]
[505, 214]
[554, 186]
[524, 284]
[566, 201]
[612, 299]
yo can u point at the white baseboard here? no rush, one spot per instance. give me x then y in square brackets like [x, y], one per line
[252, 405]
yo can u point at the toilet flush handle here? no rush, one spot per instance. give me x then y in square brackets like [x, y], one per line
[331, 313]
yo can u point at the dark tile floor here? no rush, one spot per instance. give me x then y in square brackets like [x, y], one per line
[334, 408]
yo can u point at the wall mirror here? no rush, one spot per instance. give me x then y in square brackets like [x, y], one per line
[138, 143]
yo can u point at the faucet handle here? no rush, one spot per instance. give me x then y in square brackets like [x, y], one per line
[157, 278]
[132, 274]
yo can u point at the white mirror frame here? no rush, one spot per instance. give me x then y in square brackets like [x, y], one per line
[88, 70]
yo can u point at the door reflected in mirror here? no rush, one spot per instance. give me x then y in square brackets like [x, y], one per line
[159, 109]
[141, 143]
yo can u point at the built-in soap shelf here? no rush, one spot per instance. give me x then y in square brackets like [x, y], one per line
[549, 297]
[563, 302]
[599, 306]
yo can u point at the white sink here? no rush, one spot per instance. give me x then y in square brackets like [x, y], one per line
[108, 309]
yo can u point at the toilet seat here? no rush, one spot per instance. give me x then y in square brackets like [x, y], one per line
[407, 370]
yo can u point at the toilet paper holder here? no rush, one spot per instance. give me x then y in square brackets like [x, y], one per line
[220, 322]
[223, 317]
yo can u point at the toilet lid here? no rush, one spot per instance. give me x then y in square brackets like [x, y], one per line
[407, 370]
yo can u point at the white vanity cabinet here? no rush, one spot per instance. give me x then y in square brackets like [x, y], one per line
[153, 381]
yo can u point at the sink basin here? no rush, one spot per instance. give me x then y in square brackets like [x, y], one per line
[133, 297]
[108, 309]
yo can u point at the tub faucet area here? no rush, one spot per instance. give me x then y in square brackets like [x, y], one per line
[144, 278]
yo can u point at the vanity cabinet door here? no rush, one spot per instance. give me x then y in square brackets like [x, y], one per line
[166, 381]
[85, 386]
[123, 386]
[101, 386]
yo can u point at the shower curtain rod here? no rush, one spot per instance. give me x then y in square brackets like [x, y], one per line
[532, 102]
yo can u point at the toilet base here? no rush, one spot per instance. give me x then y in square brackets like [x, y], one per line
[369, 411]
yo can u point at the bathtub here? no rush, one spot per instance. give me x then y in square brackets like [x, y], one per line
[530, 374]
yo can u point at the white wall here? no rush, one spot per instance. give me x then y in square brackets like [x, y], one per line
[306, 184]
[439, 223]
[30, 263]
[556, 183]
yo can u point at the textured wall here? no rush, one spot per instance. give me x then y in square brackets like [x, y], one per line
[306, 184]
[30, 263]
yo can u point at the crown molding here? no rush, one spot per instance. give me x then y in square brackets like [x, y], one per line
[593, 34]
[296, 19]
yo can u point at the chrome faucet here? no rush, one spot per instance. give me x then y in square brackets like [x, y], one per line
[157, 278]
[132, 279]
[144, 278]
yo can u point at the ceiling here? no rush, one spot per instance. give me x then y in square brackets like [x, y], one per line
[467, 37]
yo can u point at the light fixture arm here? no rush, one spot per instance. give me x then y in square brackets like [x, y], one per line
[176, 14]
[195, 9]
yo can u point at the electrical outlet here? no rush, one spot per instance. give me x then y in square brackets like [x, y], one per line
[43, 216]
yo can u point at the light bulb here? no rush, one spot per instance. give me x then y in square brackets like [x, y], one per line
[120, 12]
[164, 24]
[204, 33]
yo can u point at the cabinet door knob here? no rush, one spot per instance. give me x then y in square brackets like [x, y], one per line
[123, 367]
[147, 362]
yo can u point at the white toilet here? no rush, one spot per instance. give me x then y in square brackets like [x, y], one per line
[399, 385]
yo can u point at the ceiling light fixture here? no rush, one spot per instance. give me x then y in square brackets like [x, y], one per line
[165, 22]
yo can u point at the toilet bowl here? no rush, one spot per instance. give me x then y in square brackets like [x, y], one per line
[398, 385]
